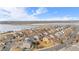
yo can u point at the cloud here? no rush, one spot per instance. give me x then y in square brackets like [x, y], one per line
[15, 14]
[65, 18]
[19, 14]
[39, 11]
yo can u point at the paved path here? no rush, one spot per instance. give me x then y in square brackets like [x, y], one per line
[71, 48]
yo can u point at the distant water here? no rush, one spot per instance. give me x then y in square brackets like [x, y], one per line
[6, 27]
[10, 27]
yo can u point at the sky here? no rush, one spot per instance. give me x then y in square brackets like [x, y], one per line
[39, 13]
